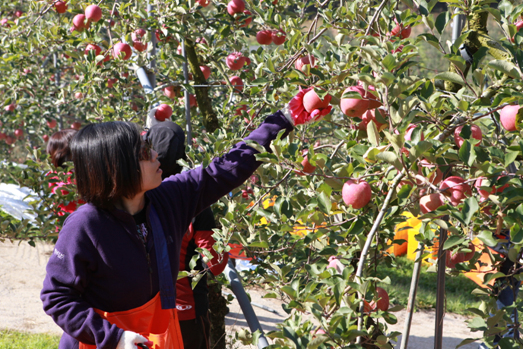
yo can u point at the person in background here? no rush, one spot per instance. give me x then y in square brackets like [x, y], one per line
[168, 139]
[59, 152]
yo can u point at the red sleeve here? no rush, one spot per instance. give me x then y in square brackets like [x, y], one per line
[204, 239]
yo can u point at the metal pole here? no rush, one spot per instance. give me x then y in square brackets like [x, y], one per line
[188, 126]
[412, 296]
[57, 83]
[152, 53]
[144, 80]
[457, 26]
[440, 290]
[248, 312]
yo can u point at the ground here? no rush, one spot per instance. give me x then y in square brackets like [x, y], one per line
[22, 270]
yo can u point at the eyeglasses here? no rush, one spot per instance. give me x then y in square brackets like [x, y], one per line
[145, 150]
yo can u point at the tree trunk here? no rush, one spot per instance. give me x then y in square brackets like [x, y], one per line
[210, 120]
[217, 309]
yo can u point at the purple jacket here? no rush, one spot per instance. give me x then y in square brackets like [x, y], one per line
[100, 262]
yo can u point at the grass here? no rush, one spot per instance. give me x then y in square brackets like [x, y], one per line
[458, 289]
[21, 340]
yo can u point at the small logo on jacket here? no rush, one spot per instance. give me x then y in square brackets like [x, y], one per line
[183, 307]
[58, 254]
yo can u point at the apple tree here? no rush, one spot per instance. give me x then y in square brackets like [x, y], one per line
[319, 212]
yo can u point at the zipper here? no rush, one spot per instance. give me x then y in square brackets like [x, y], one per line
[150, 271]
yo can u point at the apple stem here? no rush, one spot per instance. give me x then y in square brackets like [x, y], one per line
[368, 242]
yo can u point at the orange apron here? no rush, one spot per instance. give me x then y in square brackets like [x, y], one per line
[158, 325]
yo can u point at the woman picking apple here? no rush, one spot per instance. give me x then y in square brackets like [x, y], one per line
[110, 282]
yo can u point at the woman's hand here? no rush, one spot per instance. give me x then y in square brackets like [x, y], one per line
[129, 340]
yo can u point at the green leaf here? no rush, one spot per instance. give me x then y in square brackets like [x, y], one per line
[470, 207]
[372, 132]
[449, 76]
[488, 238]
[260, 81]
[270, 65]
[505, 67]
[442, 21]
[467, 153]
[324, 203]
[452, 241]
[510, 157]
[262, 244]
[389, 62]
[431, 39]
[391, 158]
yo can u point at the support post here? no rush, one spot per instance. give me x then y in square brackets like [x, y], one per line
[440, 291]
[57, 83]
[248, 312]
[188, 126]
[412, 296]
[152, 53]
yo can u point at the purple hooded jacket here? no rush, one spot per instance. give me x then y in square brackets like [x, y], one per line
[100, 262]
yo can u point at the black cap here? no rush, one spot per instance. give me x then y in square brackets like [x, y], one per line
[168, 139]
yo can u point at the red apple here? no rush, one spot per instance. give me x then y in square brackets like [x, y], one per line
[235, 6]
[303, 61]
[435, 177]
[80, 22]
[76, 125]
[240, 109]
[455, 189]
[469, 255]
[203, 3]
[163, 112]
[307, 167]
[45, 138]
[508, 117]
[235, 61]
[19, 133]
[4, 23]
[94, 47]
[400, 30]
[247, 20]
[206, 71]
[93, 13]
[431, 202]
[264, 37]
[2, 136]
[278, 37]
[368, 116]
[19, 13]
[354, 107]
[519, 25]
[383, 300]
[475, 133]
[51, 123]
[138, 40]
[454, 258]
[111, 82]
[122, 50]
[10, 107]
[9, 140]
[237, 82]
[60, 6]
[410, 130]
[312, 101]
[192, 101]
[170, 92]
[493, 190]
[356, 194]
[79, 95]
